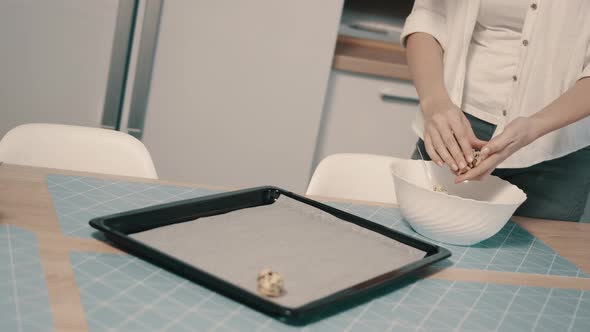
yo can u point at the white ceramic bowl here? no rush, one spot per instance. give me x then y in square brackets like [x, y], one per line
[469, 213]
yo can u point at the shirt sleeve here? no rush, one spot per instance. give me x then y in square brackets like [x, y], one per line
[428, 16]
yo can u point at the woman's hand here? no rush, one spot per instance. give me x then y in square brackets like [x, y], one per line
[448, 136]
[519, 133]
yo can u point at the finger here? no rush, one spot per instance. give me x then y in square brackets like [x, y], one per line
[431, 151]
[496, 144]
[461, 172]
[483, 176]
[477, 178]
[486, 167]
[475, 142]
[486, 173]
[460, 132]
[452, 146]
[442, 151]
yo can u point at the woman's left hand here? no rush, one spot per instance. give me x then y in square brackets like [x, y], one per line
[517, 134]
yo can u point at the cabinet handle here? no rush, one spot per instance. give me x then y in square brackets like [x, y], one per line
[388, 94]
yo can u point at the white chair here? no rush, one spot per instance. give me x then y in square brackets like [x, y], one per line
[77, 148]
[363, 177]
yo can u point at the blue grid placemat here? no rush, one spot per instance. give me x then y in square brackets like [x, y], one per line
[24, 301]
[513, 249]
[124, 293]
[79, 199]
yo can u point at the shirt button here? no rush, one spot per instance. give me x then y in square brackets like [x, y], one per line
[514, 78]
[525, 42]
[504, 112]
[533, 6]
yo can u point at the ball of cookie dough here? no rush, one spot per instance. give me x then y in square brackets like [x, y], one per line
[476, 159]
[270, 283]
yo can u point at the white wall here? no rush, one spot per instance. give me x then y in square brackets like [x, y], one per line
[54, 60]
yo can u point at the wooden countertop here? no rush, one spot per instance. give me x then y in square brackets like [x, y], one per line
[26, 202]
[371, 57]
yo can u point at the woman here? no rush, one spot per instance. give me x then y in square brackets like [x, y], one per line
[509, 77]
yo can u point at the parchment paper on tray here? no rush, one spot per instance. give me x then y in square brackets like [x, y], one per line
[316, 253]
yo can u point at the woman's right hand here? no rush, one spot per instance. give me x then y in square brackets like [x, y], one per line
[448, 136]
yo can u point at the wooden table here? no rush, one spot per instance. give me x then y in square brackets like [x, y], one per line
[25, 202]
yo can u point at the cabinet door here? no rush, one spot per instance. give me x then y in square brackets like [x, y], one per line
[58, 58]
[237, 90]
[366, 114]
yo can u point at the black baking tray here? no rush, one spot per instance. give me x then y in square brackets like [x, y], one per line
[118, 227]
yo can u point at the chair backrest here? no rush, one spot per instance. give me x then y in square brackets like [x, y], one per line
[363, 177]
[77, 148]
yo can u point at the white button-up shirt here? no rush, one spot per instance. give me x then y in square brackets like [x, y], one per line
[555, 55]
[492, 56]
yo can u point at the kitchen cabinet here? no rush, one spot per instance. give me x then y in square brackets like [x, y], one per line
[371, 102]
[367, 114]
[237, 90]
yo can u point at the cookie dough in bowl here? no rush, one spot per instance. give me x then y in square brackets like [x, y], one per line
[467, 213]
